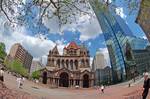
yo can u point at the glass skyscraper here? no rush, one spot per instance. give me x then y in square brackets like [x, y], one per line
[116, 34]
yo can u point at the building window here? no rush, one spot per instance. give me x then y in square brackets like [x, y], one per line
[76, 64]
[58, 63]
[71, 64]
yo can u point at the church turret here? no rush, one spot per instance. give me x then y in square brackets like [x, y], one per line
[55, 51]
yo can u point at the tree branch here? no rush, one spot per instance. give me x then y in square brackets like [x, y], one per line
[1, 6]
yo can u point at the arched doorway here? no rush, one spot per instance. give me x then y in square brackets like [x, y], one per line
[86, 81]
[44, 78]
[64, 80]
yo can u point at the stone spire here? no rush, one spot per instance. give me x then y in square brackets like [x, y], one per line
[55, 51]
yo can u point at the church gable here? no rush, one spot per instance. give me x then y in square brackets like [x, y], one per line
[55, 51]
[72, 45]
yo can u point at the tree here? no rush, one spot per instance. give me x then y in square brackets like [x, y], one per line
[36, 74]
[20, 12]
[17, 67]
[2, 51]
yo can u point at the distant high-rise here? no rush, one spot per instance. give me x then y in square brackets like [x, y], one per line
[21, 54]
[99, 61]
[102, 72]
[35, 66]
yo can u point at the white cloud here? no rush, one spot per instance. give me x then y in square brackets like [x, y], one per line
[90, 29]
[91, 61]
[37, 47]
[89, 44]
[106, 55]
[87, 25]
[60, 42]
[120, 12]
[144, 37]
[52, 24]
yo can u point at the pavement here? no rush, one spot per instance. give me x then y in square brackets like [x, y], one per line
[45, 92]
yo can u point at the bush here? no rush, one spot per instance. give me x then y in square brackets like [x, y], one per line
[36, 74]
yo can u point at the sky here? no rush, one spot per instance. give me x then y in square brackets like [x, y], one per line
[86, 31]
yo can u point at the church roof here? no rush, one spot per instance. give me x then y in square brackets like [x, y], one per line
[72, 45]
[55, 50]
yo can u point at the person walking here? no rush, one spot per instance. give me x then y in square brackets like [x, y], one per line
[102, 89]
[22, 81]
[146, 86]
[2, 74]
[18, 82]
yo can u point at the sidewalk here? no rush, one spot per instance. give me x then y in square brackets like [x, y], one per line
[42, 91]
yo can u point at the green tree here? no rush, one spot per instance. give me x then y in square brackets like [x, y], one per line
[17, 67]
[2, 51]
[36, 74]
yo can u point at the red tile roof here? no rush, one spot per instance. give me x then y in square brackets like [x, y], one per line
[72, 45]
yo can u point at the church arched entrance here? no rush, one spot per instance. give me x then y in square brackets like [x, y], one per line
[86, 81]
[64, 80]
[44, 78]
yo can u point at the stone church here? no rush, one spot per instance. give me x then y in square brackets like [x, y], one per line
[69, 69]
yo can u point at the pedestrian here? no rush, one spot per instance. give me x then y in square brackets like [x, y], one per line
[18, 82]
[2, 74]
[129, 85]
[102, 89]
[146, 86]
[22, 81]
[36, 81]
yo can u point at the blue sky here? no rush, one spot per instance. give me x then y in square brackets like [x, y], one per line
[86, 31]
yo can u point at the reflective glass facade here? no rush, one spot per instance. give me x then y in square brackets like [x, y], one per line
[137, 43]
[116, 34]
